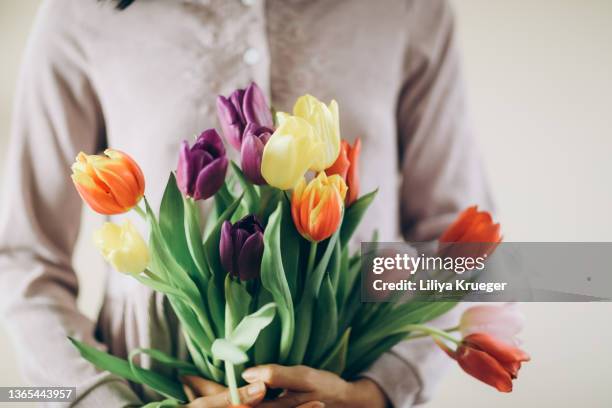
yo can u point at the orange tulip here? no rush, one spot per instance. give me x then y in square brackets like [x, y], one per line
[317, 207]
[472, 234]
[110, 184]
[346, 166]
[488, 359]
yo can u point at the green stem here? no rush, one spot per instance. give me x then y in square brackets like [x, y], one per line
[230, 374]
[140, 212]
[431, 331]
[421, 335]
[311, 257]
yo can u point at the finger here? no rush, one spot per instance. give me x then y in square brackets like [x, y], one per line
[251, 394]
[201, 387]
[189, 392]
[296, 378]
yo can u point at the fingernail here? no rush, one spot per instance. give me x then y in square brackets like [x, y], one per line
[256, 388]
[249, 375]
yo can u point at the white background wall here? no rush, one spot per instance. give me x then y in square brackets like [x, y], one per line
[540, 90]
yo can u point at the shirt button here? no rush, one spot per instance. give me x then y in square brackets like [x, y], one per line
[248, 2]
[251, 56]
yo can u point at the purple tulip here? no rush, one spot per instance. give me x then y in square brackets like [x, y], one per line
[241, 247]
[201, 169]
[243, 106]
[253, 143]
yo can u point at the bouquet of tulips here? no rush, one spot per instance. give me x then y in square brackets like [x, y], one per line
[268, 277]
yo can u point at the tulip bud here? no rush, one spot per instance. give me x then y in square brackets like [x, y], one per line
[241, 247]
[243, 106]
[110, 184]
[201, 169]
[346, 166]
[488, 359]
[123, 247]
[317, 207]
[253, 143]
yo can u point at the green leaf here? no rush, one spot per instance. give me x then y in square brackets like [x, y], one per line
[171, 215]
[224, 198]
[225, 350]
[274, 280]
[267, 345]
[126, 369]
[250, 194]
[167, 403]
[290, 248]
[193, 232]
[162, 287]
[105, 361]
[324, 330]
[237, 302]
[353, 216]
[157, 382]
[334, 266]
[245, 334]
[344, 282]
[336, 358]
[182, 366]
[305, 308]
[216, 308]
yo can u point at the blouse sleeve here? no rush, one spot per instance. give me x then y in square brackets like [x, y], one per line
[56, 114]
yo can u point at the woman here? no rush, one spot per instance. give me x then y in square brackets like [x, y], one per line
[143, 79]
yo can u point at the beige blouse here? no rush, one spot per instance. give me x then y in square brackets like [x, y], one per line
[143, 79]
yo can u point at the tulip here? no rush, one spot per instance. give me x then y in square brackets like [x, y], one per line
[317, 207]
[241, 247]
[307, 140]
[243, 106]
[472, 234]
[110, 184]
[326, 124]
[289, 153]
[201, 169]
[253, 143]
[123, 247]
[346, 167]
[488, 359]
[503, 322]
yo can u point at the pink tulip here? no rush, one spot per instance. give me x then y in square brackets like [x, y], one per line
[501, 321]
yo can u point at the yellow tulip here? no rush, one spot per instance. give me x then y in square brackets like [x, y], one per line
[289, 153]
[123, 247]
[326, 124]
[307, 140]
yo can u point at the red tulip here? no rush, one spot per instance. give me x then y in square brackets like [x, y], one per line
[472, 234]
[346, 166]
[488, 359]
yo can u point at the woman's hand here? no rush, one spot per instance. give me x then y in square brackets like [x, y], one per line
[208, 394]
[317, 388]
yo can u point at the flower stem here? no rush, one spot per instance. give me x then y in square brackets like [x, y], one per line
[140, 212]
[431, 331]
[311, 257]
[231, 383]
